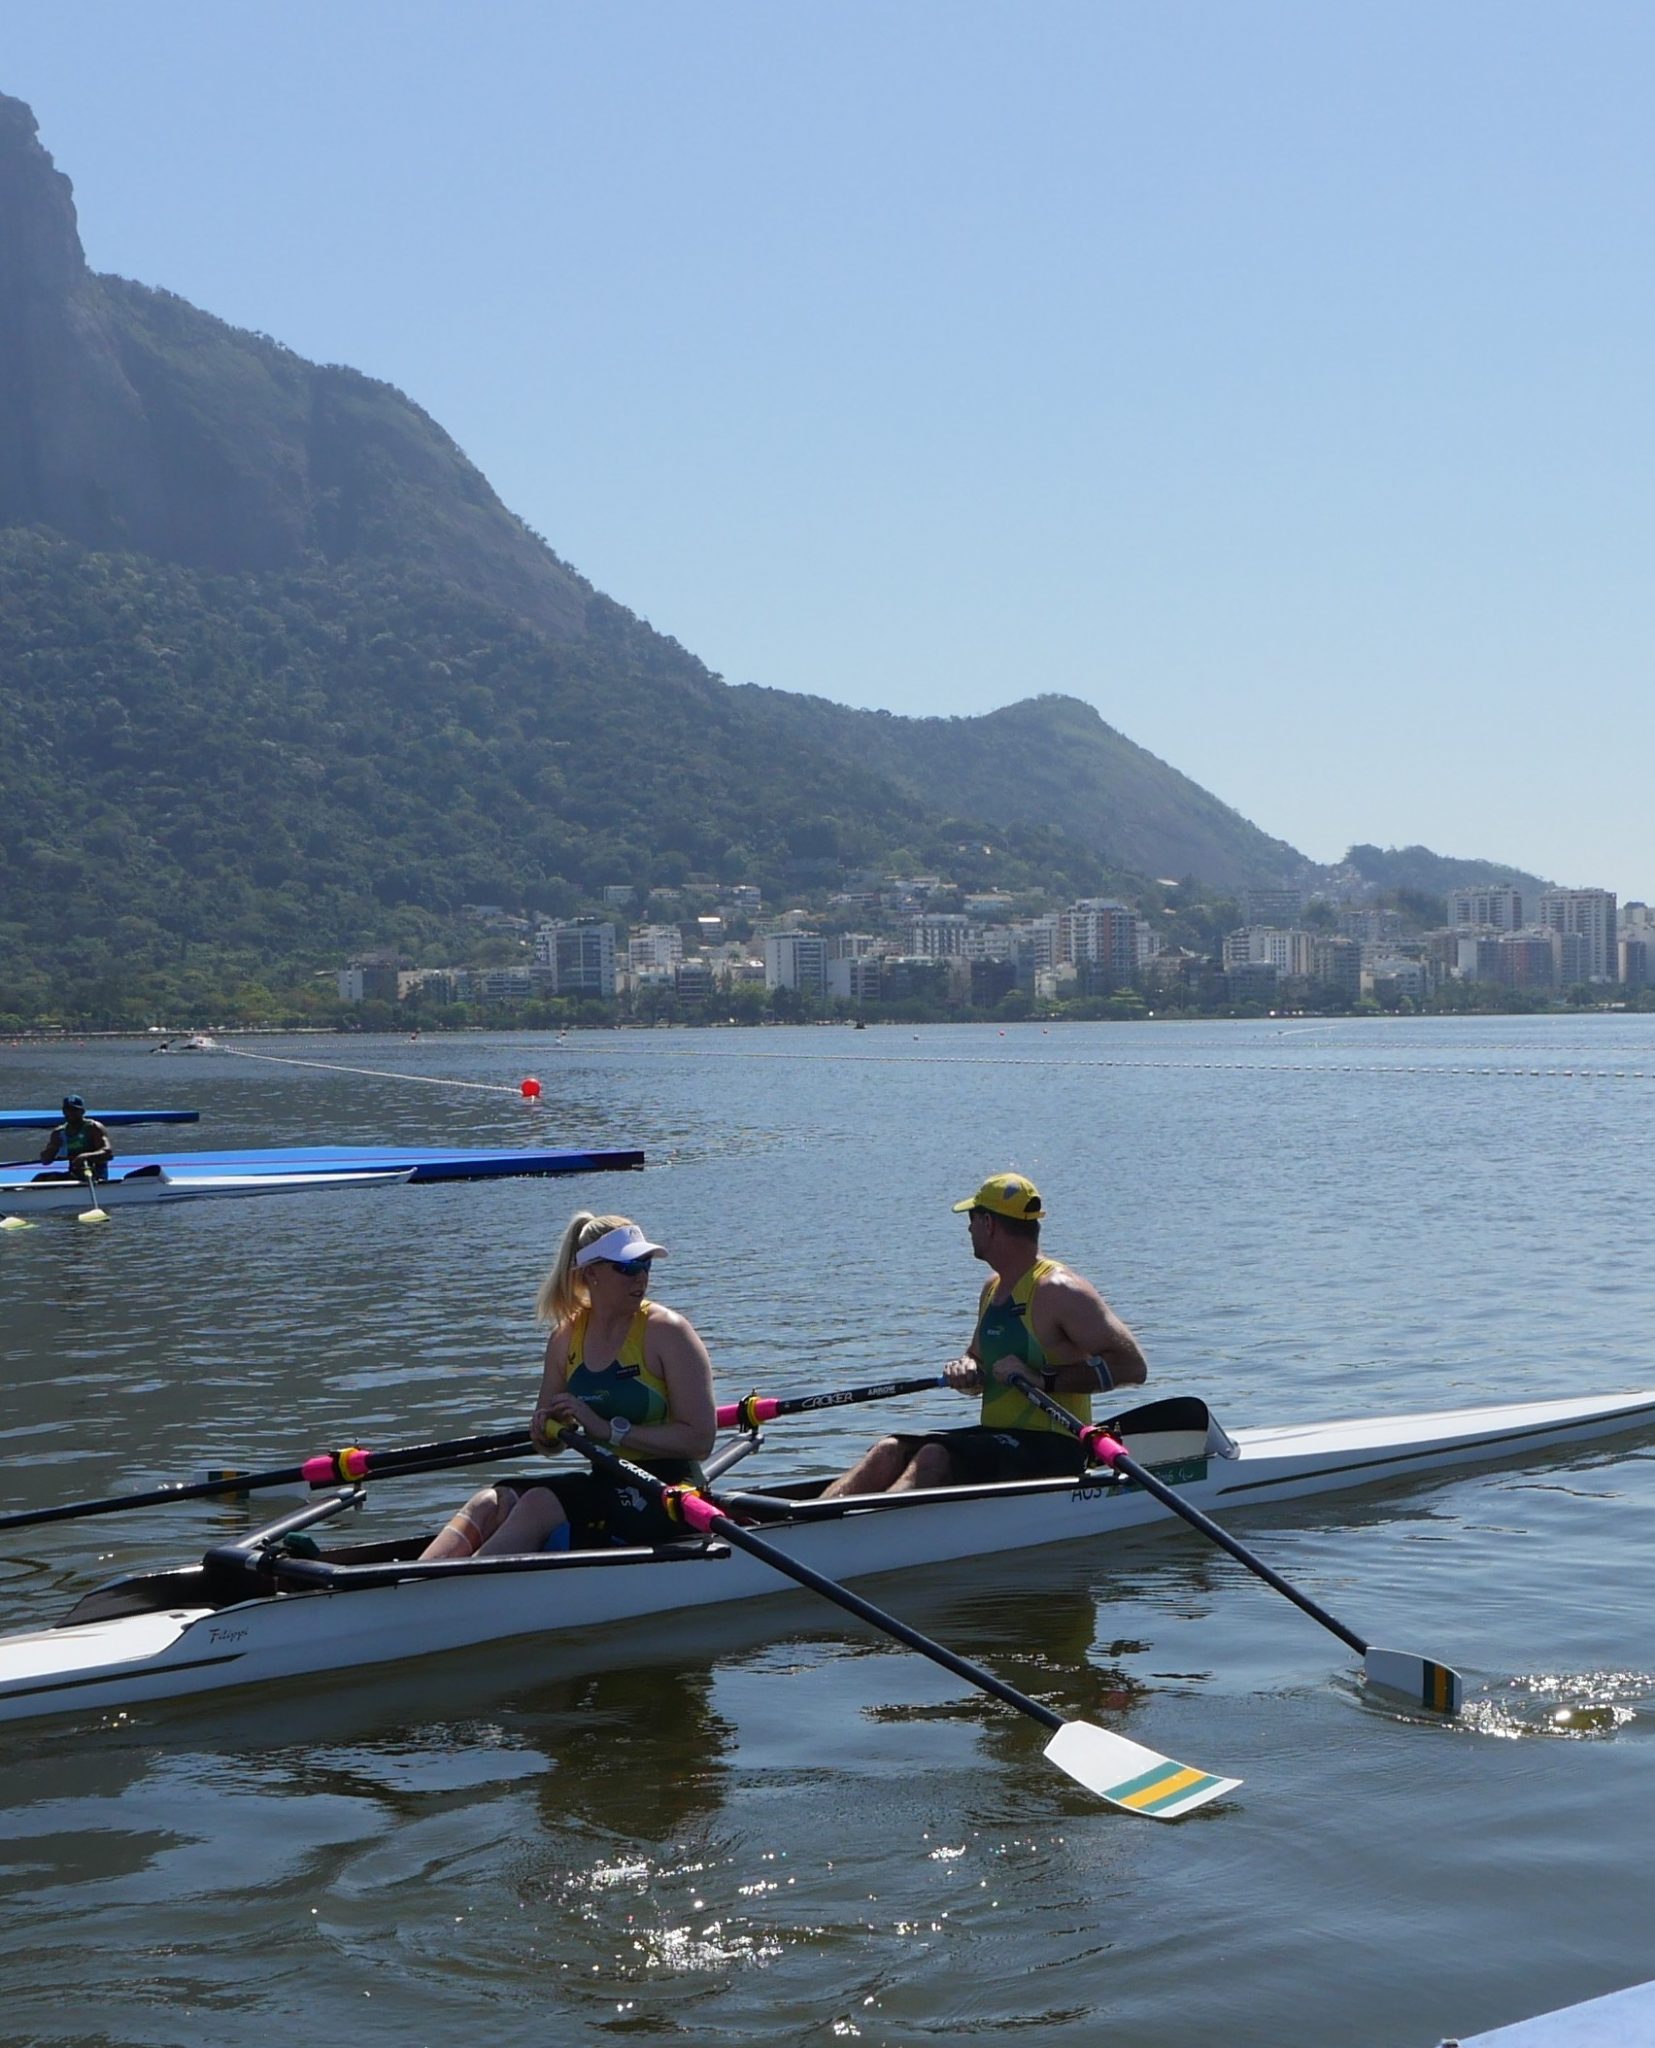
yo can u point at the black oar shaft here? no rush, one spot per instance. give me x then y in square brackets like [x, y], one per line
[754, 1409]
[1121, 1460]
[410, 1458]
[245, 1482]
[709, 1519]
[1125, 1462]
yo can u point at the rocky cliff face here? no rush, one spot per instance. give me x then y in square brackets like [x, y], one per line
[129, 419]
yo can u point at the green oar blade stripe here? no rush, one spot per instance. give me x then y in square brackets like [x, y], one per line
[1168, 1785]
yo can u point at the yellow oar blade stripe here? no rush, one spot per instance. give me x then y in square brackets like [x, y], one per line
[1439, 1689]
[1157, 1790]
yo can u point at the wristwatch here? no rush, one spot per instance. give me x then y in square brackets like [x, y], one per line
[619, 1429]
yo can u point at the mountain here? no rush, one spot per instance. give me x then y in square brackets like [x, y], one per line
[276, 768]
[281, 678]
[129, 420]
[1425, 873]
[1049, 760]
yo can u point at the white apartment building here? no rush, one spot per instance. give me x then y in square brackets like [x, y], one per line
[655, 945]
[1296, 955]
[1396, 971]
[581, 957]
[1591, 913]
[1277, 907]
[943, 935]
[1258, 945]
[1034, 943]
[1491, 906]
[1635, 945]
[502, 984]
[796, 960]
[854, 977]
[1102, 932]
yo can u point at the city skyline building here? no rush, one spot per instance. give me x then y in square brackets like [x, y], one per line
[1591, 914]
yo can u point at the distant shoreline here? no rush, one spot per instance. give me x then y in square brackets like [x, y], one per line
[67, 1033]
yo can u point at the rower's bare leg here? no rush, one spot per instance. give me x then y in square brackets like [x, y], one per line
[469, 1527]
[876, 1471]
[929, 1466]
[536, 1517]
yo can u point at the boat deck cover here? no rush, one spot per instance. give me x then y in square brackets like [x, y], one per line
[93, 1645]
[1623, 2019]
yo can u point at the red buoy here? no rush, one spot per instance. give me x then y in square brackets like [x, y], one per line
[529, 1087]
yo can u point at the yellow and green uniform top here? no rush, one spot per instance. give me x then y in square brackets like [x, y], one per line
[628, 1388]
[1004, 1331]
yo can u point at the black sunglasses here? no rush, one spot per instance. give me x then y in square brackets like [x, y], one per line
[629, 1269]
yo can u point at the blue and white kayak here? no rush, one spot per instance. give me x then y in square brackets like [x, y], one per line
[422, 1162]
[251, 1612]
[45, 1119]
[120, 1191]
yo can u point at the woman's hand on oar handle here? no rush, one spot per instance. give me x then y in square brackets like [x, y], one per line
[562, 1411]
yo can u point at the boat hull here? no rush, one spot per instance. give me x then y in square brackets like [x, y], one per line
[43, 1197]
[423, 1162]
[183, 1648]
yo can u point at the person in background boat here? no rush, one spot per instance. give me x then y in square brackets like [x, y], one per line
[82, 1141]
[1034, 1316]
[623, 1369]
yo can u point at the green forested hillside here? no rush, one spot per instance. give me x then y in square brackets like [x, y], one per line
[1050, 760]
[258, 773]
[1434, 874]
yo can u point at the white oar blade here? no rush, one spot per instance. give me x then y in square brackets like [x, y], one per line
[15, 1223]
[1130, 1776]
[93, 1216]
[1414, 1679]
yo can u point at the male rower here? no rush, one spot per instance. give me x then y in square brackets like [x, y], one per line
[1035, 1316]
[83, 1142]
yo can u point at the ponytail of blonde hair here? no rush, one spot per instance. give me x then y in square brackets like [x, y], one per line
[563, 1292]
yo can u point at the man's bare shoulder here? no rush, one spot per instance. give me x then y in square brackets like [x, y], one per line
[1064, 1280]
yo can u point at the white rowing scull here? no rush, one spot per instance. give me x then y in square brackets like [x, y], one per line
[154, 1184]
[251, 1613]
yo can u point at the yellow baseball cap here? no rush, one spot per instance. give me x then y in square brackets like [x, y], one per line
[1006, 1194]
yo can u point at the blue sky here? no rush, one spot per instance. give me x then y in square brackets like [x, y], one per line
[1276, 377]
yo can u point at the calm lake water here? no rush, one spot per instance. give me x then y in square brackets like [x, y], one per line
[773, 1826]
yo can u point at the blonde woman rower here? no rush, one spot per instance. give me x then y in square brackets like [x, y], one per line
[624, 1369]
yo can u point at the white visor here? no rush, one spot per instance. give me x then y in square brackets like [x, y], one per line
[618, 1247]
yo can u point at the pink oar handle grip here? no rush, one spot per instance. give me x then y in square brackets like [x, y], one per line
[697, 1513]
[332, 1466]
[748, 1412]
[1101, 1447]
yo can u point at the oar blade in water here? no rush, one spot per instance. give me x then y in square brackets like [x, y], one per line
[1129, 1776]
[1417, 1680]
